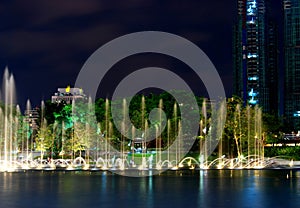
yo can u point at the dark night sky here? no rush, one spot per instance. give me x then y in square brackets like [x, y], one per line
[45, 43]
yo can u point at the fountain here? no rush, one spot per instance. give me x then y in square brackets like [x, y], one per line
[103, 151]
[9, 124]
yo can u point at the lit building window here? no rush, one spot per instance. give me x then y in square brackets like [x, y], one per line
[252, 55]
[252, 93]
[297, 114]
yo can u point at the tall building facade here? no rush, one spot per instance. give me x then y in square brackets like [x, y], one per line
[255, 55]
[292, 62]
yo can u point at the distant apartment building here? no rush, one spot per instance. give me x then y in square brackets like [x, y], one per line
[67, 95]
[31, 117]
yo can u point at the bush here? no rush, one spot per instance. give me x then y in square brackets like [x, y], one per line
[290, 152]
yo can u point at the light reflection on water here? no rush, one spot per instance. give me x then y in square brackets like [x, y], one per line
[208, 188]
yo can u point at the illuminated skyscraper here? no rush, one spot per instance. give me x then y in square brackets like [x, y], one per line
[255, 56]
[292, 62]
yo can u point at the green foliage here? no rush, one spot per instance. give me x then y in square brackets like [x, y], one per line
[44, 138]
[94, 124]
[273, 126]
[285, 151]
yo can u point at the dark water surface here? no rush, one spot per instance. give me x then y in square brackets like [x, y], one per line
[212, 188]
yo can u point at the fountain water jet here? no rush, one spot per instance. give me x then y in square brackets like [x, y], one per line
[8, 117]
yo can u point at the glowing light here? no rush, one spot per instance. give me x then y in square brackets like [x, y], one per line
[253, 102]
[104, 167]
[68, 89]
[192, 167]
[204, 167]
[253, 4]
[291, 164]
[255, 78]
[69, 167]
[250, 10]
[250, 55]
[86, 167]
[252, 21]
[297, 114]
[252, 93]
[175, 168]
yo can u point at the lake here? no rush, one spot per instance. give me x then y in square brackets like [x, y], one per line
[181, 188]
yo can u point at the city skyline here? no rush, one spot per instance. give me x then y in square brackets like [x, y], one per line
[258, 74]
[45, 45]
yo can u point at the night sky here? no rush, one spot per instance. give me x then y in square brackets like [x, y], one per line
[45, 43]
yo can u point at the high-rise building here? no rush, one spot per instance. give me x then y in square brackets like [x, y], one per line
[272, 73]
[292, 62]
[255, 55]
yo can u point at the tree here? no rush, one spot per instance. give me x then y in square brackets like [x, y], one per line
[44, 138]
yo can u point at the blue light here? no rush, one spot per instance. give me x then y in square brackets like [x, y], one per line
[255, 78]
[252, 93]
[252, 21]
[250, 55]
[297, 114]
[254, 4]
[253, 102]
[250, 10]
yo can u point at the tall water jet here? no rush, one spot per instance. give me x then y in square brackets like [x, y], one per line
[28, 132]
[106, 130]
[124, 104]
[180, 142]
[158, 133]
[219, 128]
[1, 131]
[175, 131]
[74, 126]
[204, 152]
[248, 132]
[89, 129]
[18, 127]
[259, 147]
[43, 128]
[62, 152]
[156, 146]
[143, 127]
[237, 129]
[110, 136]
[132, 146]
[7, 119]
[168, 140]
